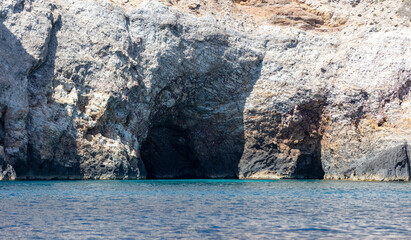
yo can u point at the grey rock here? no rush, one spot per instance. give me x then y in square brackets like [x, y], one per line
[405, 9]
[390, 165]
[6, 170]
[161, 89]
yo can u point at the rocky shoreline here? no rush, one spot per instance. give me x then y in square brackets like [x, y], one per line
[100, 89]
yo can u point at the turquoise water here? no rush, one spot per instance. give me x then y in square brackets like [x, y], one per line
[205, 209]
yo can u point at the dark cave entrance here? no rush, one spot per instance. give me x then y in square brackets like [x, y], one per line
[168, 152]
[309, 166]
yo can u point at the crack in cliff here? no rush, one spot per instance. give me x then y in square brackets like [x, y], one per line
[55, 26]
[3, 110]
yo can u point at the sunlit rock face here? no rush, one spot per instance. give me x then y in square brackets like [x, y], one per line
[101, 89]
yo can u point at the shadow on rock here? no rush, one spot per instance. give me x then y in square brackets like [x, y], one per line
[197, 128]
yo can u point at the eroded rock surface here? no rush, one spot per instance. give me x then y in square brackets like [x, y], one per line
[101, 89]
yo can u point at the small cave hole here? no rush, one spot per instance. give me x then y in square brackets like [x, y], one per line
[309, 167]
[382, 121]
[168, 153]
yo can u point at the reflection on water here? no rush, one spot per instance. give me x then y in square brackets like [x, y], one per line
[205, 209]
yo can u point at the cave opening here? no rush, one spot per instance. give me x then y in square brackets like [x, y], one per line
[309, 166]
[168, 153]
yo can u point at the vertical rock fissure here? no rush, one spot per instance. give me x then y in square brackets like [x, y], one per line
[2, 122]
[408, 160]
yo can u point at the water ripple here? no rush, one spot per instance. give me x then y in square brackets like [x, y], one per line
[204, 209]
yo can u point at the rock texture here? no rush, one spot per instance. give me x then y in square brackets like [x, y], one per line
[100, 89]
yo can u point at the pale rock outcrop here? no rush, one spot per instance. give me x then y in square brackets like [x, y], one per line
[100, 89]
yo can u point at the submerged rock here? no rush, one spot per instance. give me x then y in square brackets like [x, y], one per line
[101, 89]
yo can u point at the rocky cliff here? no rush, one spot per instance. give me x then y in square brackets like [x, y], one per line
[130, 89]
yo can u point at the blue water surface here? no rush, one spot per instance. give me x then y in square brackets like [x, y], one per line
[205, 209]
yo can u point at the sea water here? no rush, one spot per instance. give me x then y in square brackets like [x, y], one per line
[205, 209]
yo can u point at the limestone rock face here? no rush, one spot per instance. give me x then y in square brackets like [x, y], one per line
[100, 89]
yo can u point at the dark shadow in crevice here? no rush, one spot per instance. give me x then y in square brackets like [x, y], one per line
[2, 130]
[168, 152]
[309, 166]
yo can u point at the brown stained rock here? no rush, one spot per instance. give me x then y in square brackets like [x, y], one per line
[285, 13]
[193, 6]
